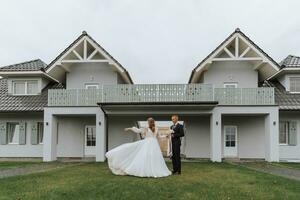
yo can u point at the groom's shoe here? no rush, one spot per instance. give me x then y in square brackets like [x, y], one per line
[174, 173]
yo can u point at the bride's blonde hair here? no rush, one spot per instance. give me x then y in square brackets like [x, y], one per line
[151, 123]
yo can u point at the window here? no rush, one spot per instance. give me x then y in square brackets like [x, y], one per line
[25, 87]
[230, 85]
[283, 132]
[91, 86]
[19, 87]
[295, 84]
[40, 133]
[288, 133]
[13, 132]
[32, 87]
[230, 136]
[90, 136]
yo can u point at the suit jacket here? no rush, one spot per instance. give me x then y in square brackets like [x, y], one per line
[178, 132]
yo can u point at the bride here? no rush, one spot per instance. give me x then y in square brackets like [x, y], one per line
[142, 158]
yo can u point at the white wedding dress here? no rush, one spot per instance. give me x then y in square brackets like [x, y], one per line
[142, 158]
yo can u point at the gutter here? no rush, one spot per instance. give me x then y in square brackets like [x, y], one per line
[282, 71]
[106, 127]
[160, 103]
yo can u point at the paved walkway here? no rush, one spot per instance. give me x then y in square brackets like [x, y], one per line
[34, 168]
[272, 169]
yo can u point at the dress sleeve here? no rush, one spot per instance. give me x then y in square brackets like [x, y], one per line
[137, 130]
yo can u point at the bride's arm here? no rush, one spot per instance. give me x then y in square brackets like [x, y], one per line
[134, 129]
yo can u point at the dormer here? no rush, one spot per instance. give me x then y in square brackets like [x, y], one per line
[85, 64]
[27, 78]
[289, 74]
[236, 62]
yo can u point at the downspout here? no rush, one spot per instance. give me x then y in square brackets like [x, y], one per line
[106, 127]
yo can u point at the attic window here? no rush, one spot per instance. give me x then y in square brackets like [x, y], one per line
[25, 87]
[295, 84]
[230, 85]
[91, 86]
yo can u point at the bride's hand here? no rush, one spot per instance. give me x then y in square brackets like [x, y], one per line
[126, 129]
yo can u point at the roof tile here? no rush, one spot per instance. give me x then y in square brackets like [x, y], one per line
[291, 62]
[32, 65]
[284, 99]
[10, 103]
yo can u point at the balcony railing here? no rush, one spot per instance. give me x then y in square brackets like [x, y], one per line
[161, 93]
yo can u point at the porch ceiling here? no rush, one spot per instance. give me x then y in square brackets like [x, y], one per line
[165, 108]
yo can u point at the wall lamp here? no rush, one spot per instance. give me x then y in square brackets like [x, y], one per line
[274, 123]
[47, 123]
[217, 123]
[99, 123]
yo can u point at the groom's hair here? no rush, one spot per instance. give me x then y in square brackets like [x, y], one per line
[175, 116]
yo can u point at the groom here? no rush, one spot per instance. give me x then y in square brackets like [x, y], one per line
[176, 134]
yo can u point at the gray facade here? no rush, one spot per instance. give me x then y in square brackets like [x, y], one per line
[197, 138]
[70, 141]
[250, 135]
[239, 72]
[28, 149]
[90, 73]
[290, 152]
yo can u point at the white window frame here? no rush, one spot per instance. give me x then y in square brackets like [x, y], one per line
[26, 86]
[286, 134]
[235, 84]
[293, 92]
[236, 134]
[85, 135]
[39, 134]
[87, 85]
[18, 125]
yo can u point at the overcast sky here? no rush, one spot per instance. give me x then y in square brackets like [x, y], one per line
[158, 41]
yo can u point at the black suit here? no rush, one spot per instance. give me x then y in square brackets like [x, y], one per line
[178, 132]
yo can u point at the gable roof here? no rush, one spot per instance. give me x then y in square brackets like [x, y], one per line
[29, 68]
[11, 103]
[237, 31]
[290, 62]
[32, 65]
[84, 34]
[285, 100]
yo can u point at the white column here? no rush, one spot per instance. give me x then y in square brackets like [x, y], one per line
[216, 136]
[100, 136]
[272, 136]
[50, 137]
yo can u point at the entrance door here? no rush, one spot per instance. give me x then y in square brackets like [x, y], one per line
[230, 141]
[90, 141]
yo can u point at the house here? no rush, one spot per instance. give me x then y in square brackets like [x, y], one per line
[238, 103]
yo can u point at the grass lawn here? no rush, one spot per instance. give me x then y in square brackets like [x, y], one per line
[290, 165]
[198, 181]
[268, 165]
[9, 165]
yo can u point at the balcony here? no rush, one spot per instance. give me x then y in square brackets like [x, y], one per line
[161, 93]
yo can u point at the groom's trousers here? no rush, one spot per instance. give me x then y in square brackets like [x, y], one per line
[176, 160]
